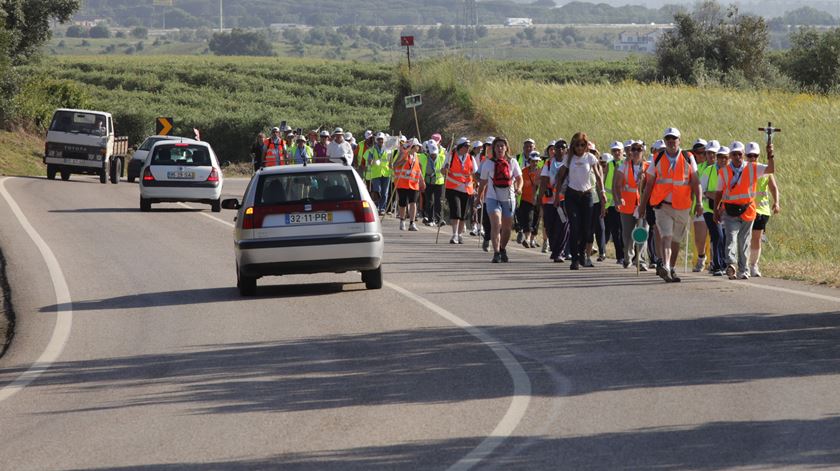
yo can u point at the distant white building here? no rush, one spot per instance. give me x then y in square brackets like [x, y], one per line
[519, 22]
[634, 41]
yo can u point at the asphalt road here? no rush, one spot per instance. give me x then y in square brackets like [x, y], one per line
[151, 360]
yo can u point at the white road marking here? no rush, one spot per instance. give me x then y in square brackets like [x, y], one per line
[521, 381]
[227, 223]
[64, 309]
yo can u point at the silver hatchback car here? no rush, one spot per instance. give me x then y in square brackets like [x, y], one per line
[304, 219]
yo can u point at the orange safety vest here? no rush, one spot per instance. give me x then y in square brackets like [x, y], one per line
[409, 175]
[550, 199]
[460, 176]
[530, 180]
[674, 181]
[630, 192]
[274, 154]
[745, 189]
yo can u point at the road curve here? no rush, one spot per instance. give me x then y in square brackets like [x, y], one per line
[166, 367]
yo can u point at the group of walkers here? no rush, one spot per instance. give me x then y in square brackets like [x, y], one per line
[583, 198]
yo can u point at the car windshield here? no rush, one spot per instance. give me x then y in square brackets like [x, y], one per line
[181, 155]
[310, 187]
[149, 142]
[79, 123]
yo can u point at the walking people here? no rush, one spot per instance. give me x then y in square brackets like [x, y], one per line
[576, 168]
[339, 150]
[361, 150]
[708, 185]
[459, 170]
[474, 205]
[486, 154]
[527, 210]
[629, 179]
[701, 232]
[500, 184]
[612, 221]
[275, 149]
[408, 180]
[300, 153]
[554, 217]
[767, 187]
[257, 151]
[431, 162]
[672, 180]
[320, 148]
[735, 205]
[377, 165]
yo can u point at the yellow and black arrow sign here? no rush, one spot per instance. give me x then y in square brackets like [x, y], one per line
[163, 126]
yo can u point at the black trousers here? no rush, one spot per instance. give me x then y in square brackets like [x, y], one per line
[613, 230]
[558, 231]
[579, 209]
[598, 228]
[432, 202]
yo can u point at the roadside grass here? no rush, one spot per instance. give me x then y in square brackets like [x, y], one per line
[21, 153]
[804, 238]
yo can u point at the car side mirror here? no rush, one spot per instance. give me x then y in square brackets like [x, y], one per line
[231, 203]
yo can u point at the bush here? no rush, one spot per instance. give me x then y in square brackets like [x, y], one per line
[140, 32]
[100, 31]
[814, 59]
[241, 43]
[40, 96]
[76, 31]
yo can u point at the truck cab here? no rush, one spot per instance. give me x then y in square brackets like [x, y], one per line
[83, 141]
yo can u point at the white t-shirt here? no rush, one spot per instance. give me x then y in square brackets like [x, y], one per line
[500, 194]
[637, 170]
[760, 167]
[652, 167]
[581, 167]
[463, 159]
[338, 152]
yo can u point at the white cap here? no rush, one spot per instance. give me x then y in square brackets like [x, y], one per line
[534, 156]
[338, 131]
[403, 138]
[607, 157]
[699, 143]
[712, 146]
[671, 132]
[286, 128]
[618, 145]
[275, 129]
[411, 143]
[477, 144]
[639, 142]
[325, 133]
[380, 135]
[348, 135]
[723, 150]
[368, 134]
[461, 141]
[301, 138]
[753, 148]
[489, 140]
[628, 142]
[432, 147]
[551, 143]
[529, 140]
[658, 145]
[736, 146]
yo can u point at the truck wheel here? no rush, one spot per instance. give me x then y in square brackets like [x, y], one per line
[373, 278]
[247, 284]
[51, 171]
[65, 175]
[116, 171]
[145, 205]
[103, 176]
[216, 206]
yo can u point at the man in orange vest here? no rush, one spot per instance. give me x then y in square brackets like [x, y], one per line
[629, 179]
[735, 205]
[275, 149]
[408, 180]
[671, 183]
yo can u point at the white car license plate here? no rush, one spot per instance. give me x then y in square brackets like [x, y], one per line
[309, 218]
[180, 175]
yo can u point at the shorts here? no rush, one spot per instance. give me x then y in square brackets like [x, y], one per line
[760, 222]
[496, 206]
[407, 196]
[700, 218]
[457, 203]
[673, 222]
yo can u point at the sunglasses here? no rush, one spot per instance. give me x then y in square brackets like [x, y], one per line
[752, 156]
[637, 149]
[671, 138]
[739, 154]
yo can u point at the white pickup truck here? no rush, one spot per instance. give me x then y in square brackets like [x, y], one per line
[83, 141]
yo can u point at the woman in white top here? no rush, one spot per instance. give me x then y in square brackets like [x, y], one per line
[579, 199]
[499, 190]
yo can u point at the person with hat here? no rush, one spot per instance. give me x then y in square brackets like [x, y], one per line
[500, 184]
[257, 151]
[554, 218]
[527, 209]
[376, 163]
[320, 149]
[474, 205]
[735, 205]
[408, 180]
[548, 154]
[300, 153]
[486, 154]
[361, 150]
[767, 187]
[339, 150]
[275, 149]
[312, 138]
[654, 243]
[612, 221]
[459, 170]
[431, 162]
[671, 184]
[288, 138]
[575, 175]
[629, 179]
[708, 185]
[701, 232]
[522, 159]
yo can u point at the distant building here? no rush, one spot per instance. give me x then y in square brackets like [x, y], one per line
[89, 22]
[519, 22]
[282, 26]
[634, 41]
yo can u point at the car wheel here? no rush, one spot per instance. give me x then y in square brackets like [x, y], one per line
[116, 171]
[145, 205]
[216, 205]
[247, 284]
[65, 175]
[373, 278]
[51, 171]
[103, 176]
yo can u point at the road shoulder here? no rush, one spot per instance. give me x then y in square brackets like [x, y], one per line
[7, 314]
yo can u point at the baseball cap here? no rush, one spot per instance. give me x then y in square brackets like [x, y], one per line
[534, 156]
[411, 143]
[380, 135]
[403, 138]
[607, 157]
[301, 138]
[529, 140]
[671, 132]
[489, 140]
[338, 131]
[699, 143]
[658, 145]
[436, 137]
[348, 135]
[561, 142]
[736, 146]
[477, 144]
[712, 146]
[462, 141]
[431, 146]
[368, 134]
[325, 133]
[723, 150]
[618, 145]
[753, 148]
[275, 129]
[286, 128]
[628, 142]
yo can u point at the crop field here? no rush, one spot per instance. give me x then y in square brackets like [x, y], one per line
[230, 99]
[804, 240]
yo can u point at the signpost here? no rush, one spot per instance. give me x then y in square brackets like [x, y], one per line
[413, 101]
[163, 126]
[407, 41]
[640, 236]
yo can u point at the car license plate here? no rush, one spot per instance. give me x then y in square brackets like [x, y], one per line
[180, 175]
[309, 218]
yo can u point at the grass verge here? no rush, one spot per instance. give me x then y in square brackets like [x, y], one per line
[21, 153]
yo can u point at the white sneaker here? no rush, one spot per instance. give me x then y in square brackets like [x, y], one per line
[460, 239]
[754, 272]
[743, 276]
[454, 239]
[698, 267]
[402, 224]
[412, 226]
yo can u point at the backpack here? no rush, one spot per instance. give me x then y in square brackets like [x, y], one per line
[501, 173]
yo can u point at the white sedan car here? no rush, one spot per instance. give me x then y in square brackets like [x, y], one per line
[181, 171]
[303, 219]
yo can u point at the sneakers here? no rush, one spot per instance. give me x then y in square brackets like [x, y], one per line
[520, 236]
[718, 273]
[698, 267]
[544, 248]
[754, 272]
[431, 224]
[620, 261]
[534, 244]
[588, 262]
[381, 212]
[526, 244]
[497, 257]
[674, 276]
[664, 274]
[453, 240]
[643, 267]
[503, 253]
[743, 275]
[624, 263]
[485, 246]
[575, 265]
[474, 230]
[412, 226]
[460, 239]
[730, 271]
[403, 224]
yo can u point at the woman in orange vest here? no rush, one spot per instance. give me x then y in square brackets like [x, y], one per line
[275, 149]
[527, 211]
[459, 170]
[735, 205]
[408, 180]
[629, 179]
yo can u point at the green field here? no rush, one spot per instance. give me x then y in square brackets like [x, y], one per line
[804, 239]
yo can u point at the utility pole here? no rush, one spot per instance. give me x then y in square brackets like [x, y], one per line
[221, 17]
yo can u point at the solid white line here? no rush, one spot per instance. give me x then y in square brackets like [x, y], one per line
[64, 309]
[521, 382]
